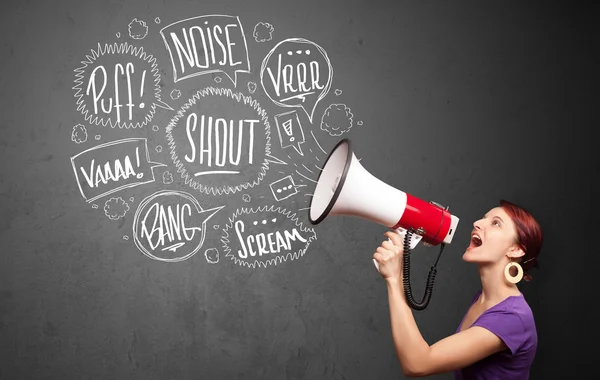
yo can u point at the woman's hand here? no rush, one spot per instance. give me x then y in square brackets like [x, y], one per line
[389, 257]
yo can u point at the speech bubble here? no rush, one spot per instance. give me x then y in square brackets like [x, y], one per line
[207, 44]
[284, 188]
[220, 141]
[290, 130]
[170, 226]
[296, 73]
[118, 85]
[265, 236]
[117, 165]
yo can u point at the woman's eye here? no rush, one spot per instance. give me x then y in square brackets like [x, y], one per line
[495, 222]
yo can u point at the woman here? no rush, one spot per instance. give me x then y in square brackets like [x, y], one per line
[497, 337]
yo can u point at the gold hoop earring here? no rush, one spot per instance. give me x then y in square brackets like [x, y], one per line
[509, 277]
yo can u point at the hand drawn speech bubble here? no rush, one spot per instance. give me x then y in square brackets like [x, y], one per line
[118, 85]
[107, 168]
[207, 44]
[220, 141]
[296, 73]
[290, 130]
[170, 226]
[265, 236]
[284, 188]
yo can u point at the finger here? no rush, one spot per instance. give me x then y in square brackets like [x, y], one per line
[383, 252]
[395, 237]
[378, 257]
[389, 245]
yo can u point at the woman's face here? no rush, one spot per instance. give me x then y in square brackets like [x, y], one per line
[492, 238]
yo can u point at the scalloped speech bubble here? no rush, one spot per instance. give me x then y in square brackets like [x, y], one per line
[265, 236]
[207, 44]
[296, 73]
[118, 85]
[170, 226]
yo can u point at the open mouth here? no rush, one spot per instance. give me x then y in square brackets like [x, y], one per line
[475, 241]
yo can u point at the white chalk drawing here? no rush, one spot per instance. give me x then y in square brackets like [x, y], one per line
[79, 134]
[131, 199]
[263, 31]
[125, 237]
[101, 97]
[155, 128]
[167, 178]
[246, 198]
[205, 140]
[137, 29]
[290, 130]
[115, 208]
[118, 35]
[296, 73]
[97, 137]
[212, 255]
[284, 188]
[175, 94]
[252, 244]
[207, 44]
[317, 141]
[158, 148]
[251, 87]
[216, 227]
[170, 226]
[338, 92]
[217, 79]
[305, 177]
[113, 166]
[337, 119]
[359, 123]
[94, 206]
[157, 20]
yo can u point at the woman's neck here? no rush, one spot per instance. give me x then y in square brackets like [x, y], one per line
[494, 287]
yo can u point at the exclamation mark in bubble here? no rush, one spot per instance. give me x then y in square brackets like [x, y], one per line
[287, 127]
[137, 159]
[142, 105]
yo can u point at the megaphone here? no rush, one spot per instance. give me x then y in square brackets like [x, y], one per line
[344, 187]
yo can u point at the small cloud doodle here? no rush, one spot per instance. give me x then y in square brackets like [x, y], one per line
[116, 208]
[79, 134]
[167, 178]
[212, 255]
[251, 87]
[175, 94]
[138, 29]
[337, 119]
[263, 31]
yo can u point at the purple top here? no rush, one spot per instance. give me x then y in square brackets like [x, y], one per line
[511, 320]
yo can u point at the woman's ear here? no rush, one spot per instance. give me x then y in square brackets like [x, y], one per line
[516, 251]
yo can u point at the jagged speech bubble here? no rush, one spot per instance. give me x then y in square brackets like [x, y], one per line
[265, 236]
[118, 85]
[170, 226]
[207, 44]
[296, 73]
[107, 168]
[220, 141]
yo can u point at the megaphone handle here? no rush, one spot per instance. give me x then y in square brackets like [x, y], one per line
[415, 239]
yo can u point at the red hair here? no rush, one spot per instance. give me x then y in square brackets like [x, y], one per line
[529, 233]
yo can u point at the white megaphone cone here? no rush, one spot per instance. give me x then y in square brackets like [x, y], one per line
[344, 187]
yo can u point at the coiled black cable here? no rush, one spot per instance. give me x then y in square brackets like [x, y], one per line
[406, 276]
